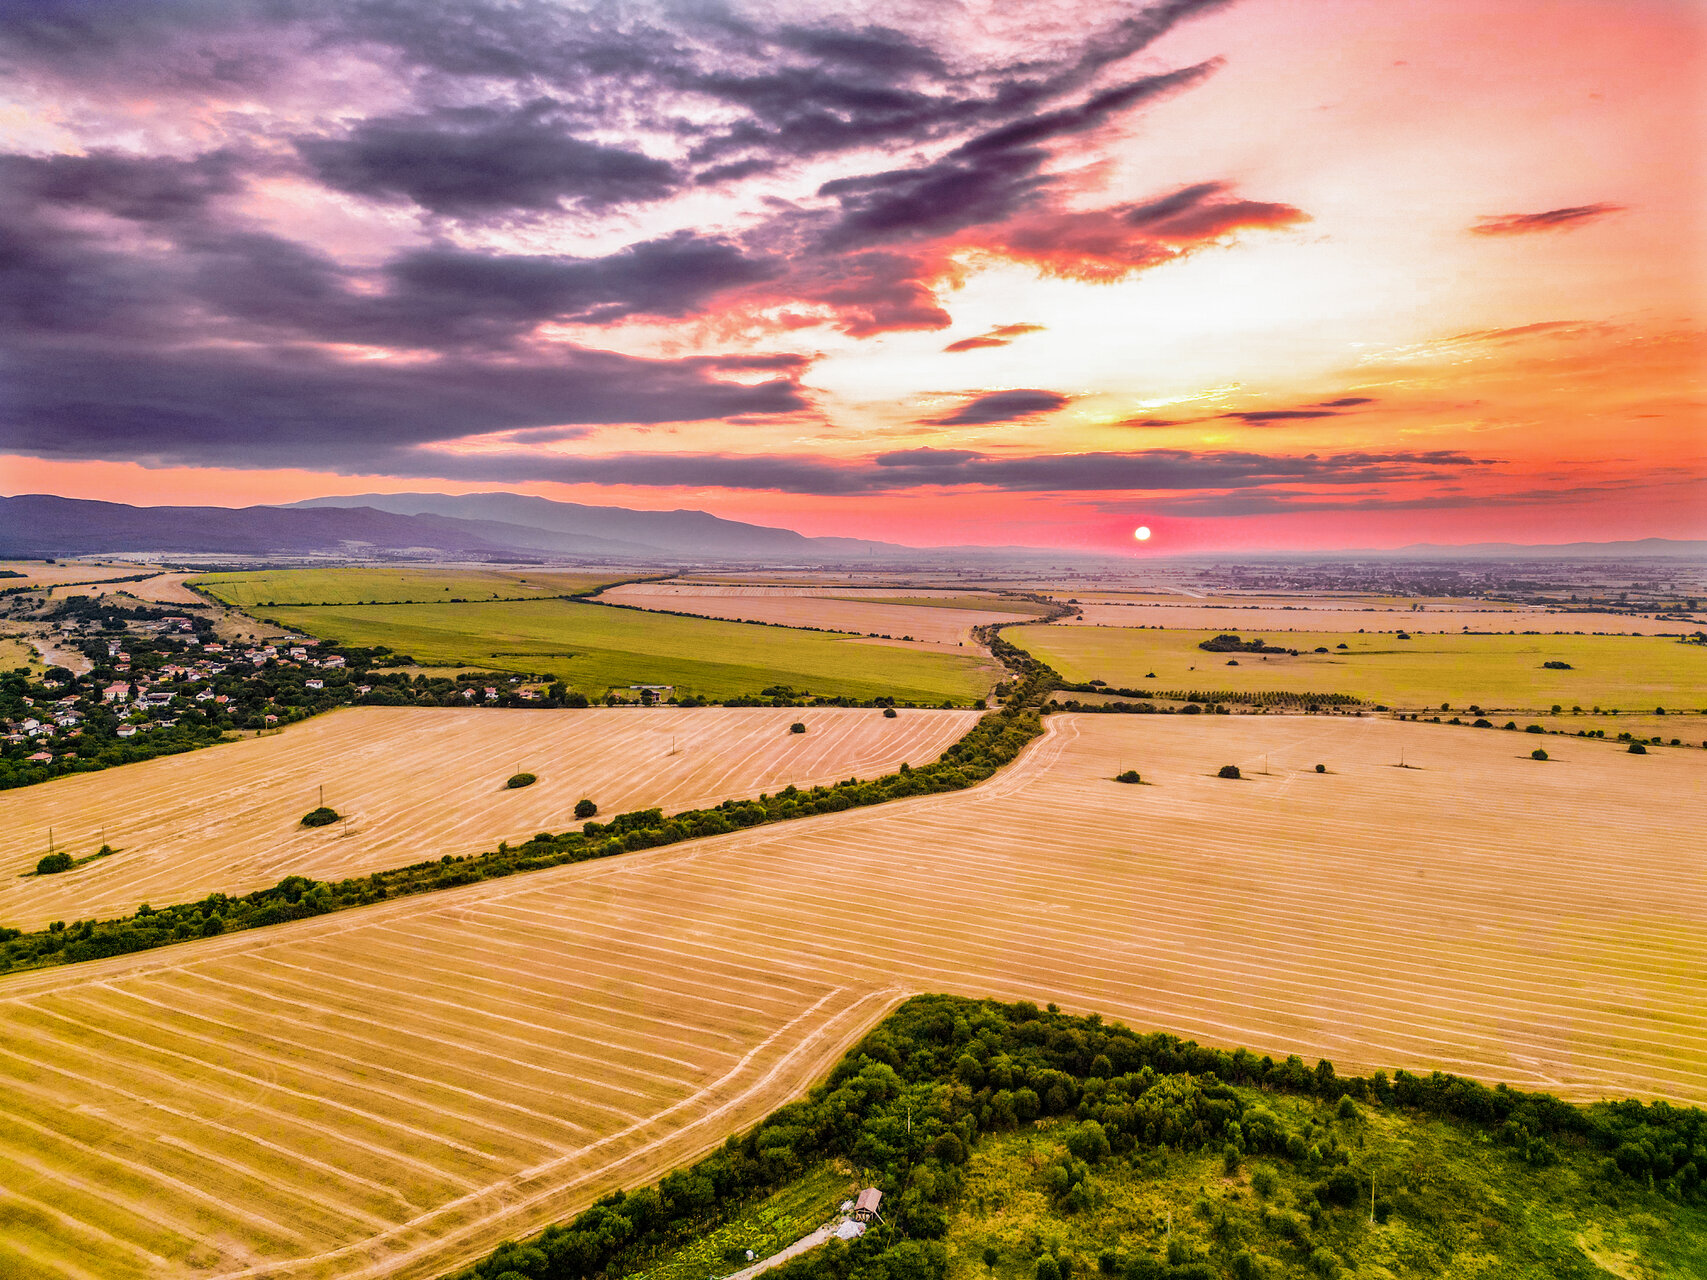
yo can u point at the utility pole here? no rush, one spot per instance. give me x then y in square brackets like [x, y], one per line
[322, 795]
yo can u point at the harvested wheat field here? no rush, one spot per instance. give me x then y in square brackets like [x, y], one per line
[390, 1091]
[1262, 619]
[412, 783]
[927, 616]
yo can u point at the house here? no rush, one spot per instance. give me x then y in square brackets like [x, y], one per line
[491, 693]
[315, 684]
[41, 757]
[865, 1208]
[206, 695]
[363, 689]
[126, 731]
[333, 662]
[271, 720]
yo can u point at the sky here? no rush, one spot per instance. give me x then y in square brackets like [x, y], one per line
[1254, 274]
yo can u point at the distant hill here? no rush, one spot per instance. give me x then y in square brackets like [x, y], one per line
[560, 525]
[483, 526]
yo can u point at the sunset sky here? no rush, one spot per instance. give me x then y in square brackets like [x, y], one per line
[1258, 274]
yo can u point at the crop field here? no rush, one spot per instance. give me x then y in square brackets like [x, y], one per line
[1434, 618]
[162, 588]
[1631, 673]
[38, 573]
[413, 783]
[594, 648]
[945, 620]
[391, 1090]
[364, 585]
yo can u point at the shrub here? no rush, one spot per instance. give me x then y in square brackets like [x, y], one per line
[521, 780]
[1228, 771]
[1538, 754]
[888, 713]
[54, 863]
[1131, 775]
[1637, 749]
[1321, 768]
[797, 727]
[321, 817]
[1263, 1181]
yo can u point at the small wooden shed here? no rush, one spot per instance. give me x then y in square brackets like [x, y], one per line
[865, 1208]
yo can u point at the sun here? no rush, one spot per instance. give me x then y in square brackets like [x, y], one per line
[1142, 533]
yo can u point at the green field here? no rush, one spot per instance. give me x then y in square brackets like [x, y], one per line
[594, 648]
[1456, 1205]
[1498, 672]
[364, 585]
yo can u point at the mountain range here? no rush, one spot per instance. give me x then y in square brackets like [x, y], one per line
[486, 526]
[512, 526]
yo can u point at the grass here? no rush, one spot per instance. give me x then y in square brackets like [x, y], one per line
[361, 585]
[1461, 1206]
[1632, 673]
[765, 1227]
[594, 648]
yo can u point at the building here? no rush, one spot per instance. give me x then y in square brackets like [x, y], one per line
[865, 1207]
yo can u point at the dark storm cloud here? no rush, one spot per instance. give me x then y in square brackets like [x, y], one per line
[1001, 406]
[299, 407]
[1517, 224]
[988, 178]
[140, 188]
[471, 162]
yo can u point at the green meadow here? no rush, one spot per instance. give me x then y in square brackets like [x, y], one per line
[1504, 672]
[594, 648]
[371, 585]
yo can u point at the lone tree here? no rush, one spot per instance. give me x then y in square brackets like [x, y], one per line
[1538, 754]
[1229, 771]
[521, 780]
[1131, 775]
[54, 863]
[321, 817]
[888, 713]
[585, 809]
[797, 727]
[1321, 768]
[1637, 749]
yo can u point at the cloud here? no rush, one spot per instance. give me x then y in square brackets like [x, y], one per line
[297, 406]
[1516, 224]
[472, 162]
[986, 179]
[1001, 336]
[1001, 406]
[1149, 472]
[1260, 417]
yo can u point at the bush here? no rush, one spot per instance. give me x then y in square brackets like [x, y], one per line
[1321, 768]
[1538, 754]
[1131, 775]
[1228, 771]
[521, 780]
[797, 727]
[1637, 749]
[1263, 1181]
[321, 817]
[888, 713]
[54, 863]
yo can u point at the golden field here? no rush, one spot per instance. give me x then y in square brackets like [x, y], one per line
[413, 783]
[391, 1090]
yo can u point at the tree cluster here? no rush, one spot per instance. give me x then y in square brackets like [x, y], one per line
[912, 1100]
